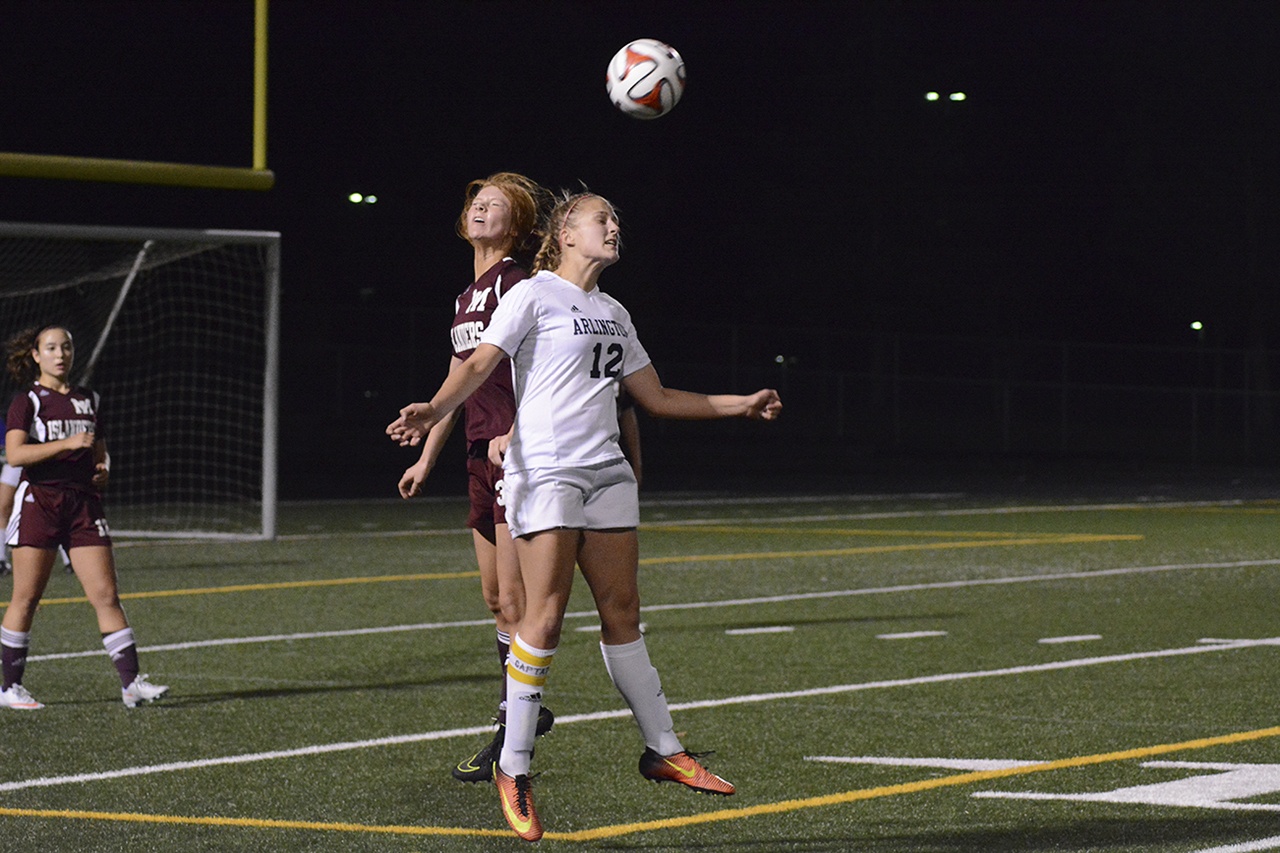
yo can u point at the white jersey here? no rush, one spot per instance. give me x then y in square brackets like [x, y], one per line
[569, 350]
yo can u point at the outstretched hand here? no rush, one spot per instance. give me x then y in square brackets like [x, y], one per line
[764, 405]
[415, 421]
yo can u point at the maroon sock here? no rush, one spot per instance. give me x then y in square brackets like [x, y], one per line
[13, 658]
[504, 650]
[124, 654]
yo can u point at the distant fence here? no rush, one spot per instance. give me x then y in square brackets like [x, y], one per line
[916, 394]
[851, 398]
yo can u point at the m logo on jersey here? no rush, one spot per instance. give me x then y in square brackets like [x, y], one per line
[478, 299]
[83, 407]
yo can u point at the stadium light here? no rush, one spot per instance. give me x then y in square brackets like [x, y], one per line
[957, 96]
[931, 96]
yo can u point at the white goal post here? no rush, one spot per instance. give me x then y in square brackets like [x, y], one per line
[178, 330]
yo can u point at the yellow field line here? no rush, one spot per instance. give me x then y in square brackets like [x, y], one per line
[1065, 539]
[258, 587]
[1031, 539]
[616, 830]
[910, 787]
[252, 823]
[840, 531]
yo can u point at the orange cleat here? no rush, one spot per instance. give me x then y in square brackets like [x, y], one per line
[685, 769]
[517, 804]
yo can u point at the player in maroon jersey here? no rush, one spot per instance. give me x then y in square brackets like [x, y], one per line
[54, 433]
[500, 215]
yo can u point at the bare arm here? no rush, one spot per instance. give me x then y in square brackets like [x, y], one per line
[21, 454]
[661, 402]
[629, 438]
[101, 465]
[417, 419]
[416, 474]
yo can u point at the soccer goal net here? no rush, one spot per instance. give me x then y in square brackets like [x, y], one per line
[178, 331]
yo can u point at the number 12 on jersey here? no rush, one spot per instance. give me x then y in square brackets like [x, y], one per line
[611, 367]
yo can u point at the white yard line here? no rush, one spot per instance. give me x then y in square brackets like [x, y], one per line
[1272, 843]
[692, 605]
[911, 635]
[569, 719]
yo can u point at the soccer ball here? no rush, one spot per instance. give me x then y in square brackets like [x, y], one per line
[645, 78]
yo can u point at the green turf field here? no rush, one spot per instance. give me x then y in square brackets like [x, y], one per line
[879, 673]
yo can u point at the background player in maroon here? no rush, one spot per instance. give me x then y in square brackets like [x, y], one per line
[54, 433]
[500, 216]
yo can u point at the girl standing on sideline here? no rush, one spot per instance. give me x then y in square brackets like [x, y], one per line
[54, 435]
[500, 215]
[571, 496]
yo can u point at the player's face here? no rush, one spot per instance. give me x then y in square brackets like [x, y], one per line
[54, 353]
[489, 218]
[594, 232]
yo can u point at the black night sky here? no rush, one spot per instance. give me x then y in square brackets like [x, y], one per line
[1110, 177]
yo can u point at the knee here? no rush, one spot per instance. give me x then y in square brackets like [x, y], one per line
[510, 607]
[21, 612]
[105, 601]
[24, 602]
[102, 594]
[542, 633]
[619, 606]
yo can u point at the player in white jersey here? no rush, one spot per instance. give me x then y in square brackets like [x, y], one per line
[571, 494]
[569, 348]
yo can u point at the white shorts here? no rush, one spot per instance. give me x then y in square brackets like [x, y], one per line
[601, 497]
[10, 475]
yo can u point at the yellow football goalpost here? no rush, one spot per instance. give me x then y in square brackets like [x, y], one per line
[259, 177]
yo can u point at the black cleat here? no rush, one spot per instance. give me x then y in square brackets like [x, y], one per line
[479, 767]
[546, 720]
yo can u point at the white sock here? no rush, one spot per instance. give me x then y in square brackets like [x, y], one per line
[639, 684]
[15, 639]
[526, 674]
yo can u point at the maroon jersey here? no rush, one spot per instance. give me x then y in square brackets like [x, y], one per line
[48, 415]
[492, 408]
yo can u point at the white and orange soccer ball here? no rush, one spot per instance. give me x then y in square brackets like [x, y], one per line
[646, 78]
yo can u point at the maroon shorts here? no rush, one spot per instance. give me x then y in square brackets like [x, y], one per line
[484, 487]
[49, 516]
